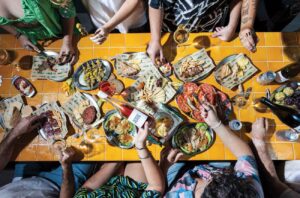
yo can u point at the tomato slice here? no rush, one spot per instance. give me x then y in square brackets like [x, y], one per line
[197, 116]
[207, 92]
[182, 104]
[189, 88]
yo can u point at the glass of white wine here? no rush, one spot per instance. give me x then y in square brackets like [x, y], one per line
[181, 35]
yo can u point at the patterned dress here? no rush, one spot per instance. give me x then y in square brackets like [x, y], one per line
[119, 186]
[197, 15]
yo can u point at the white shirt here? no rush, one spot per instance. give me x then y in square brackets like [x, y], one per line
[101, 11]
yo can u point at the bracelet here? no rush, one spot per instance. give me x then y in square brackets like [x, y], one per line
[18, 35]
[142, 148]
[217, 125]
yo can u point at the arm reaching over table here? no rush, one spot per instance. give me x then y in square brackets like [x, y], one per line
[259, 130]
[24, 126]
[227, 33]
[152, 171]
[123, 13]
[247, 34]
[154, 48]
[68, 185]
[236, 145]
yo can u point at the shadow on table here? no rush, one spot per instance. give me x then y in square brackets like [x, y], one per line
[291, 46]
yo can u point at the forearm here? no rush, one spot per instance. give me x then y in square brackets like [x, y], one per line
[248, 13]
[125, 11]
[267, 170]
[10, 29]
[235, 13]
[265, 158]
[68, 186]
[68, 28]
[152, 171]
[106, 171]
[155, 18]
[236, 145]
[6, 149]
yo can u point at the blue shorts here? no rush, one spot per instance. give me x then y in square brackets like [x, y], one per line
[53, 173]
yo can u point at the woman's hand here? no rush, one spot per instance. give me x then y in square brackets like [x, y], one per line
[209, 113]
[27, 44]
[140, 141]
[224, 33]
[169, 156]
[155, 51]
[100, 35]
[248, 39]
[67, 53]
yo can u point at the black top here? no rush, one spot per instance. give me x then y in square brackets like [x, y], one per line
[197, 15]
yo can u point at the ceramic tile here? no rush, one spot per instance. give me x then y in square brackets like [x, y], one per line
[274, 51]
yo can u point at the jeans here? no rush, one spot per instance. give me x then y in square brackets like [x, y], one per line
[53, 173]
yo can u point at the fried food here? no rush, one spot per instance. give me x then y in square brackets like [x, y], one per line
[191, 67]
[225, 71]
[93, 72]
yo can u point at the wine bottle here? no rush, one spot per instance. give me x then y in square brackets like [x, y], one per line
[287, 72]
[135, 116]
[287, 115]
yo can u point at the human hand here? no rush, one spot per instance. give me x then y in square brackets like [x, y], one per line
[100, 35]
[66, 157]
[209, 113]
[140, 141]
[259, 130]
[26, 125]
[169, 156]
[27, 44]
[249, 39]
[224, 33]
[155, 52]
[67, 53]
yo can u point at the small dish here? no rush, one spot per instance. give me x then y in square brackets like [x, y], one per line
[114, 135]
[104, 68]
[23, 86]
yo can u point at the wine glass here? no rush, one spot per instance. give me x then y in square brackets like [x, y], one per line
[290, 135]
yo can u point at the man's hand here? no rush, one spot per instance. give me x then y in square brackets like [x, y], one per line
[140, 141]
[249, 39]
[100, 35]
[26, 125]
[224, 33]
[67, 156]
[27, 44]
[155, 51]
[259, 130]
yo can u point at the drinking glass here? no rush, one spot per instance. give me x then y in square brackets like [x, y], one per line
[257, 105]
[58, 146]
[4, 57]
[181, 35]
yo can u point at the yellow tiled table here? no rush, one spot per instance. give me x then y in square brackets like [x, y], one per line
[274, 51]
